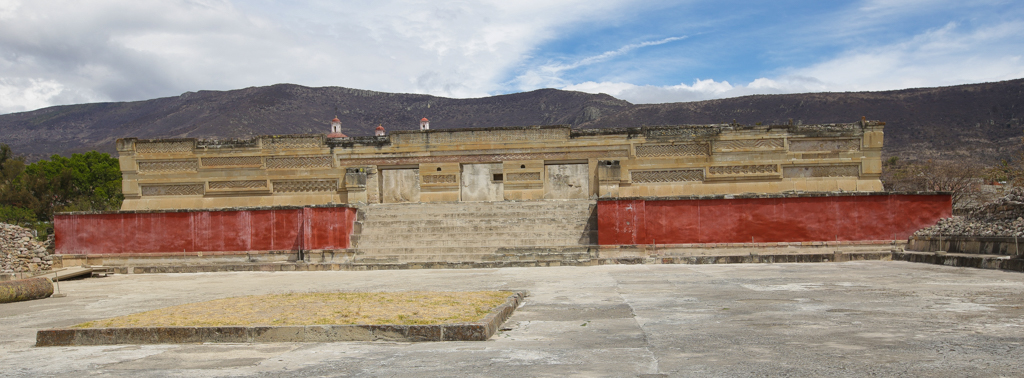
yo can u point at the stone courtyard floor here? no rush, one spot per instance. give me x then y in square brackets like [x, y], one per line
[877, 318]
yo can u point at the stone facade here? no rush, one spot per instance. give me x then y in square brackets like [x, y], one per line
[503, 163]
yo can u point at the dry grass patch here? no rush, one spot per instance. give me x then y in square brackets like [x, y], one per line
[404, 308]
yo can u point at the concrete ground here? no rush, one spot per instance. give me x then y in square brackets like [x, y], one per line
[868, 318]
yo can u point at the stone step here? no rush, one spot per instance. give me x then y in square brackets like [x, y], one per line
[400, 242]
[483, 235]
[461, 209]
[436, 229]
[560, 256]
[469, 221]
[478, 206]
[473, 257]
[475, 215]
[447, 251]
[530, 231]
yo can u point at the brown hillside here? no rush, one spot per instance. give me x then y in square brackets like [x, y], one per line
[980, 122]
[284, 109]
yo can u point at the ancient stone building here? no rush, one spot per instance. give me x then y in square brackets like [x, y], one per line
[504, 196]
[500, 163]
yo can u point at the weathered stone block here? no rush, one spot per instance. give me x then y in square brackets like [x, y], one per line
[177, 335]
[465, 332]
[276, 334]
[389, 332]
[224, 334]
[424, 333]
[55, 337]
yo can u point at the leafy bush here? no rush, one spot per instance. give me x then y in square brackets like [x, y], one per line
[83, 182]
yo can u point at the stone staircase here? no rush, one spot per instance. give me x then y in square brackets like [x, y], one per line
[548, 231]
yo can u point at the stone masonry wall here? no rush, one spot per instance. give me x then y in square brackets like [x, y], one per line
[1004, 217]
[20, 252]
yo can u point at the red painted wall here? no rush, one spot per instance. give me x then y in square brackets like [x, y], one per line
[205, 231]
[790, 219]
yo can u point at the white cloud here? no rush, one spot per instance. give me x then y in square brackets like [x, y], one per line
[17, 94]
[131, 49]
[943, 56]
[63, 51]
[550, 74]
[700, 89]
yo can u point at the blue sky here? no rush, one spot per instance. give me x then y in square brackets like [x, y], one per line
[55, 52]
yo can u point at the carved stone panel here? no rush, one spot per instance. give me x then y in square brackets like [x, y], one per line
[291, 186]
[683, 132]
[800, 145]
[318, 161]
[671, 150]
[160, 166]
[238, 184]
[164, 147]
[485, 158]
[439, 179]
[673, 175]
[822, 171]
[729, 170]
[750, 144]
[232, 161]
[819, 155]
[172, 190]
[523, 176]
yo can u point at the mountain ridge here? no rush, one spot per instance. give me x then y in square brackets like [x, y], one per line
[980, 122]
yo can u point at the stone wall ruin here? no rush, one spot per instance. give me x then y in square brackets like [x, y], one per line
[500, 163]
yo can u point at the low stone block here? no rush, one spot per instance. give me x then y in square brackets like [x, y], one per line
[277, 334]
[465, 332]
[333, 333]
[389, 332]
[95, 336]
[424, 333]
[1013, 264]
[177, 335]
[55, 337]
[135, 335]
[224, 334]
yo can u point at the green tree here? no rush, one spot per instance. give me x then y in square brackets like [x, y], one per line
[17, 215]
[83, 182]
[13, 193]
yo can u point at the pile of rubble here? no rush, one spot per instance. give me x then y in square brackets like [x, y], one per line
[1002, 217]
[20, 252]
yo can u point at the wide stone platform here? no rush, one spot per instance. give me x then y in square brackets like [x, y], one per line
[863, 318]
